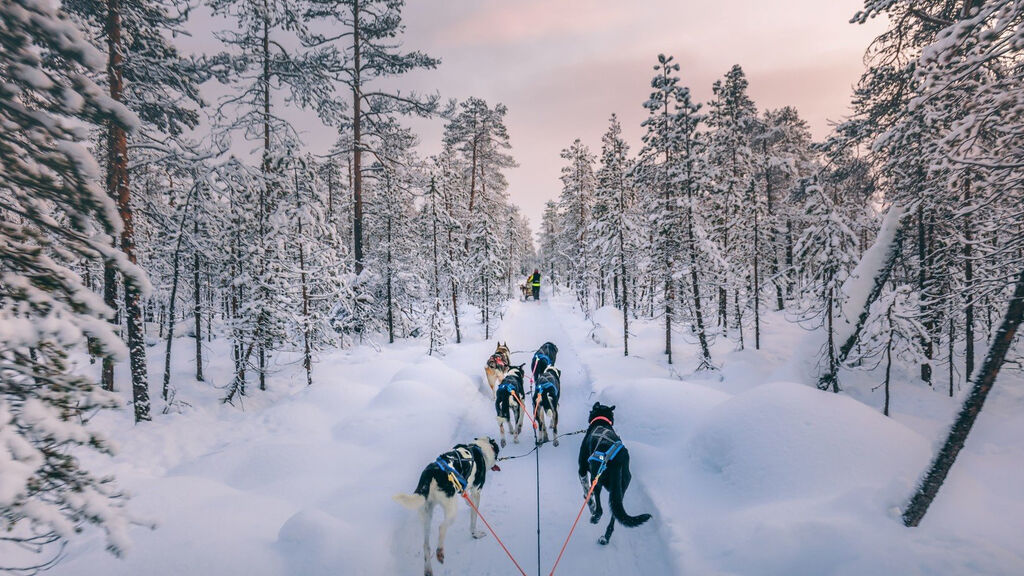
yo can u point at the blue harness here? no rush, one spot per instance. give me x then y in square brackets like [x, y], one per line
[538, 356]
[544, 386]
[453, 474]
[603, 458]
[507, 385]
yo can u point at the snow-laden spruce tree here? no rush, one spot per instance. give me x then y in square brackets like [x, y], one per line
[53, 213]
[391, 255]
[784, 156]
[825, 254]
[360, 46]
[477, 135]
[549, 255]
[732, 118]
[576, 207]
[614, 223]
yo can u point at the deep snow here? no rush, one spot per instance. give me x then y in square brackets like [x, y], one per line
[747, 471]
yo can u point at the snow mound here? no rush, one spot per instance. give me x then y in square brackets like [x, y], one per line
[607, 327]
[785, 440]
[309, 542]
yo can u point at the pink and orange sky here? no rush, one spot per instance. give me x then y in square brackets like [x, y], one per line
[563, 66]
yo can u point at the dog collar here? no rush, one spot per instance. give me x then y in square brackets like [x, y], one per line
[600, 418]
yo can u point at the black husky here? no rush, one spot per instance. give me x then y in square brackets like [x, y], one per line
[603, 447]
[505, 405]
[546, 390]
[544, 356]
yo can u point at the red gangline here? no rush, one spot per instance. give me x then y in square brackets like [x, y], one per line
[502, 544]
[571, 530]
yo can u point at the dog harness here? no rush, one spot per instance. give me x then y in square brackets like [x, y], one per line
[603, 458]
[508, 385]
[541, 387]
[454, 476]
[539, 356]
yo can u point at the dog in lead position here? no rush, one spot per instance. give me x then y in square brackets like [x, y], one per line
[546, 389]
[497, 365]
[544, 356]
[602, 448]
[508, 408]
[442, 482]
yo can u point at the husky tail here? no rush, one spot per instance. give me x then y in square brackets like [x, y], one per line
[418, 498]
[410, 501]
[615, 493]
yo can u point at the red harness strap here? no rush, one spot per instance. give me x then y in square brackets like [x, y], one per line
[601, 418]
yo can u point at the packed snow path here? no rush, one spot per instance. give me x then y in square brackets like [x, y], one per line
[508, 500]
[756, 473]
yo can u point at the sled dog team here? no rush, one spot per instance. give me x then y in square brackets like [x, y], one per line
[463, 469]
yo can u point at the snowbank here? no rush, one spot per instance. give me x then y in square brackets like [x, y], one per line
[607, 330]
[785, 440]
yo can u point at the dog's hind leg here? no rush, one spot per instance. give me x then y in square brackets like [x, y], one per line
[607, 532]
[450, 508]
[426, 514]
[595, 505]
[554, 424]
[501, 427]
[543, 435]
[475, 496]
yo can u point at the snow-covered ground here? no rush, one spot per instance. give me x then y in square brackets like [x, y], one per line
[751, 473]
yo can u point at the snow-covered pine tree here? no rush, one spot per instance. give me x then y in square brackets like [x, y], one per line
[478, 135]
[549, 258]
[825, 253]
[432, 220]
[614, 222]
[784, 154]
[358, 40]
[392, 255]
[575, 206]
[732, 118]
[267, 58]
[453, 197]
[53, 214]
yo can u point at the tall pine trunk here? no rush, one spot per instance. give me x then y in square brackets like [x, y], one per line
[117, 185]
[110, 299]
[702, 337]
[982, 385]
[357, 142]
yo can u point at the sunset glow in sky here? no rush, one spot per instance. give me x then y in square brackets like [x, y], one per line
[563, 66]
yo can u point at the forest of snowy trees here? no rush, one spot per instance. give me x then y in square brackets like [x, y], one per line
[129, 216]
[728, 212]
[133, 210]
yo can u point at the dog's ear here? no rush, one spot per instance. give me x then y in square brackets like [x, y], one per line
[596, 404]
[611, 408]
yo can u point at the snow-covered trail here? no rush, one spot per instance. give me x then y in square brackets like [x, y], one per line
[509, 500]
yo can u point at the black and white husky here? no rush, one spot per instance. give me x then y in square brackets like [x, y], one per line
[546, 390]
[508, 409]
[602, 446]
[463, 468]
[544, 356]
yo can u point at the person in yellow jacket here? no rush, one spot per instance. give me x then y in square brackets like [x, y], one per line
[534, 282]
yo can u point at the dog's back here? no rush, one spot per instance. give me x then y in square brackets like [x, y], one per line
[548, 387]
[544, 357]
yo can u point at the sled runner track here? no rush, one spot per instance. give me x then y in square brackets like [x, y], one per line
[509, 497]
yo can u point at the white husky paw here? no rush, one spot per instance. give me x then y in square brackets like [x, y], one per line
[478, 534]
